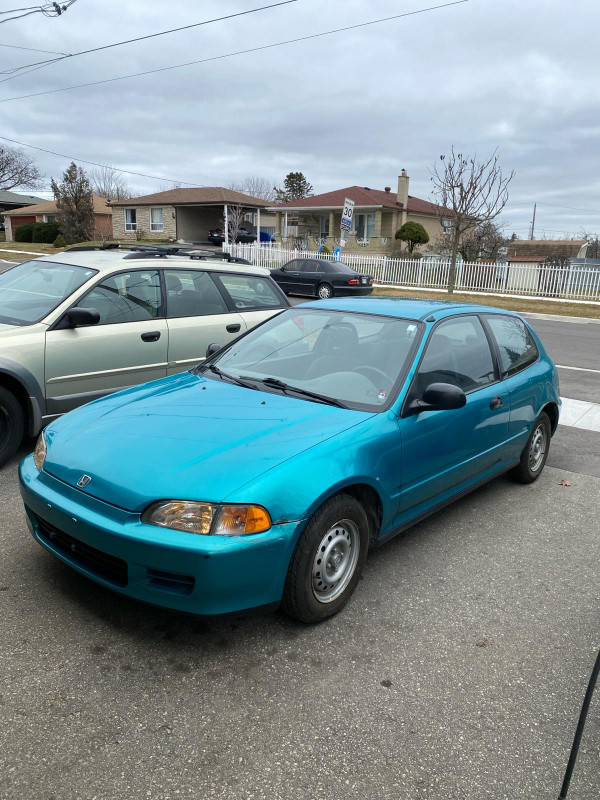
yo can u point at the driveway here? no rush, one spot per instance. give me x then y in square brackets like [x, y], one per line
[457, 670]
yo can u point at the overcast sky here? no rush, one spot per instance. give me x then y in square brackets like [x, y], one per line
[351, 108]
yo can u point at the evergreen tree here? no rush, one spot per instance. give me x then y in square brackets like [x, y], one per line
[75, 205]
[295, 187]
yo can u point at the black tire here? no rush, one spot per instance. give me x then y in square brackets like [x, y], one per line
[340, 520]
[533, 459]
[12, 425]
[325, 291]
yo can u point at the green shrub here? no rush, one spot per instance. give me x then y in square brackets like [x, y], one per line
[60, 241]
[24, 233]
[45, 232]
[325, 250]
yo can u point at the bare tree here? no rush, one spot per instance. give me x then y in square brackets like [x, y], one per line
[593, 248]
[469, 193]
[17, 168]
[110, 184]
[255, 186]
[235, 217]
[485, 241]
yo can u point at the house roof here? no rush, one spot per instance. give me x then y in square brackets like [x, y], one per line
[17, 199]
[536, 250]
[363, 197]
[49, 207]
[204, 195]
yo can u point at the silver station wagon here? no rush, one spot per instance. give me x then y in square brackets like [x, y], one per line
[81, 324]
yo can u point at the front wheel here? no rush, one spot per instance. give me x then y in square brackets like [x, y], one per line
[535, 453]
[12, 425]
[324, 291]
[328, 560]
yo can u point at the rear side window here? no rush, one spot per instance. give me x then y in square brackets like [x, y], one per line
[250, 291]
[126, 297]
[192, 293]
[515, 342]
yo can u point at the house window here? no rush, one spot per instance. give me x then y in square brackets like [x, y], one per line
[131, 219]
[324, 225]
[49, 217]
[364, 226]
[156, 219]
[446, 225]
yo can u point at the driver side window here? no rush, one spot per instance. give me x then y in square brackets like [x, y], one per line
[458, 353]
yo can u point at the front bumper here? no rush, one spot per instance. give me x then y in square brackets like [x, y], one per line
[206, 575]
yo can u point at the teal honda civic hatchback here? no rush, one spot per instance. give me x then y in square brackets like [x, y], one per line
[262, 477]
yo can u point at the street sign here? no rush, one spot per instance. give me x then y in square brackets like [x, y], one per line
[347, 214]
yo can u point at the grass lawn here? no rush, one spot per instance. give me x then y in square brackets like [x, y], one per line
[512, 303]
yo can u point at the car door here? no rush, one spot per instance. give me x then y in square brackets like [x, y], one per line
[255, 297]
[517, 351]
[444, 452]
[197, 315]
[311, 275]
[128, 345]
[288, 277]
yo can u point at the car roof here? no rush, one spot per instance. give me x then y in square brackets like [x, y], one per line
[405, 307]
[106, 261]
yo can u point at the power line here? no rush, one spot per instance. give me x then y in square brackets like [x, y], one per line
[39, 64]
[238, 52]
[33, 49]
[96, 164]
[48, 10]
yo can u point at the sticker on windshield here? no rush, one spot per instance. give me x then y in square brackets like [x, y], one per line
[382, 394]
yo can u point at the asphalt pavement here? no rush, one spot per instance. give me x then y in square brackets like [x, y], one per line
[457, 670]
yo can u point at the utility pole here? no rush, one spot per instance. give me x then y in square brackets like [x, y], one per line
[533, 220]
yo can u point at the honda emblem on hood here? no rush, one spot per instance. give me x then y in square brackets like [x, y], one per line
[83, 481]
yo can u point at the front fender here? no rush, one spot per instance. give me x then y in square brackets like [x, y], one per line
[31, 388]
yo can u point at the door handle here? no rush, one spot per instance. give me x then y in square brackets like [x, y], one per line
[496, 402]
[234, 328]
[153, 336]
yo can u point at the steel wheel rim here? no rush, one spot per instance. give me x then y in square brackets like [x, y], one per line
[537, 449]
[324, 292]
[335, 561]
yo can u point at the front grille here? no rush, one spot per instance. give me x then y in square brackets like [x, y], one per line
[108, 567]
[171, 581]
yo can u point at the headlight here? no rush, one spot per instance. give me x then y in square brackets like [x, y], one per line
[207, 518]
[39, 454]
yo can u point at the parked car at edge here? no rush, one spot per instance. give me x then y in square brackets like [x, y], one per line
[263, 476]
[80, 325]
[317, 277]
[244, 236]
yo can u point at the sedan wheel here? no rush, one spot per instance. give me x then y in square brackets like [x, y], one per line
[325, 291]
[328, 560]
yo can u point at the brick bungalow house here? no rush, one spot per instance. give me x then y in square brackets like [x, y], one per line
[183, 214]
[46, 212]
[378, 214]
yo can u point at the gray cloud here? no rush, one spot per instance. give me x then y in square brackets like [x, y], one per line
[353, 108]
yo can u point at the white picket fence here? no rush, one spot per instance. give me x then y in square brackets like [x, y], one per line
[579, 282]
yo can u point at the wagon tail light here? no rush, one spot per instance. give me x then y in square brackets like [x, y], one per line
[353, 282]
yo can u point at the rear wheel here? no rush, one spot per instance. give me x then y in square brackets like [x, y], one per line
[324, 291]
[328, 560]
[12, 425]
[535, 453]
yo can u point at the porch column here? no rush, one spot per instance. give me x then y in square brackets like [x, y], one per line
[331, 223]
[278, 227]
[258, 227]
[226, 215]
[8, 222]
[395, 225]
[285, 225]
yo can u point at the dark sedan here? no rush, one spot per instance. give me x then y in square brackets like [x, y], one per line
[317, 277]
[244, 236]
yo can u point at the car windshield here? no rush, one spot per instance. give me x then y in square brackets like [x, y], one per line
[348, 359]
[32, 290]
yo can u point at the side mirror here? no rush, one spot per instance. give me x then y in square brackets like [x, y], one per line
[212, 348]
[439, 397]
[78, 317]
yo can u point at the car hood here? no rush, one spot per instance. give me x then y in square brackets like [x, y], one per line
[185, 437]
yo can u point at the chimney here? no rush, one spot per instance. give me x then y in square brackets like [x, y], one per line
[388, 189]
[403, 180]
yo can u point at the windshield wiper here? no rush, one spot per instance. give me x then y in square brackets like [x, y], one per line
[285, 387]
[227, 376]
